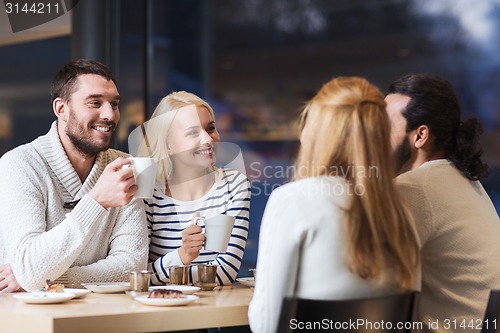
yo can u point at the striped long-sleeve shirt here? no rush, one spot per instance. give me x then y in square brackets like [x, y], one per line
[168, 217]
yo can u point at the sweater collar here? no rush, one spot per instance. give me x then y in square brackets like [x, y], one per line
[52, 150]
[431, 163]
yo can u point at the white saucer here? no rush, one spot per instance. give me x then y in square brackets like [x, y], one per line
[78, 292]
[44, 297]
[186, 290]
[166, 301]
[247, 281]
[107, 287]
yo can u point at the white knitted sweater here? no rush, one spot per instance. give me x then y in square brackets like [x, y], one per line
[42, 240]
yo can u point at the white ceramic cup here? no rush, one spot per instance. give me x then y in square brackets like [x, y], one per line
[145, 174]
[217, 232]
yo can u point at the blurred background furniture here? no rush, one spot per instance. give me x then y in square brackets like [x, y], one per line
[381, 314]
[491, 323]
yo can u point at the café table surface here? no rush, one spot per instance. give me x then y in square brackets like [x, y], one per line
[222, 307]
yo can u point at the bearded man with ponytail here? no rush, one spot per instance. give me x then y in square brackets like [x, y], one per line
[439, 161]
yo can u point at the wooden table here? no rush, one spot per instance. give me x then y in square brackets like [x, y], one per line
[224, 306]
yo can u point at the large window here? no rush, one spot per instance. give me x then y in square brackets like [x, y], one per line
[258, 61]
[26, 71]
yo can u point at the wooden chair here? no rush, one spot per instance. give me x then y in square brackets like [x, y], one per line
[381, 314]
[491, 323]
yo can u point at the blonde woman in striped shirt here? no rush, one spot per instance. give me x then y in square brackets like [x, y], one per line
[183, 137]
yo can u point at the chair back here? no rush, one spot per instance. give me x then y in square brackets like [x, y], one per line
[491, 323]
[381, 314]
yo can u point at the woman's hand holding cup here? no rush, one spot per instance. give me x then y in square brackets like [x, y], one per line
[192, 242]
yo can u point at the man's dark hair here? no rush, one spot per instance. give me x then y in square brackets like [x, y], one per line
[435, 103]
[64, 81]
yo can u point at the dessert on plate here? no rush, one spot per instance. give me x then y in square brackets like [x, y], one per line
[52, 287]
[165, 293]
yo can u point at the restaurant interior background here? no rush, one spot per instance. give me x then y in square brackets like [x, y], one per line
[256, 62]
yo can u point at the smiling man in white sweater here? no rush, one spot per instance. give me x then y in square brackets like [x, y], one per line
[66, 209]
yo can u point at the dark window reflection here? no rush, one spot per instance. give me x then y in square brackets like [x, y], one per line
[26, 72]
[258, 61]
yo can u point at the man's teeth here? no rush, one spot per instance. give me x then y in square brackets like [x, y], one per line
[102, 129]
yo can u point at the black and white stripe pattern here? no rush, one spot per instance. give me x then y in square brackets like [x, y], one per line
[167, 218]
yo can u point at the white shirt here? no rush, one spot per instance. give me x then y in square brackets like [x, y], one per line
[302, 250]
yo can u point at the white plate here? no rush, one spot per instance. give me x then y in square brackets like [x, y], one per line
[78, 292]
[247, 281]
[186, 290]
[107, 287]
[166, 301]
[44, 297]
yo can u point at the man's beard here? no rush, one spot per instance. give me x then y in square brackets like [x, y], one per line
[81, 138]
[402, 155]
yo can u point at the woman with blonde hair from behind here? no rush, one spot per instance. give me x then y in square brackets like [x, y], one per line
[340, 229]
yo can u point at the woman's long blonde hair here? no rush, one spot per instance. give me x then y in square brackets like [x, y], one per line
[347, 128]
[159, 126]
